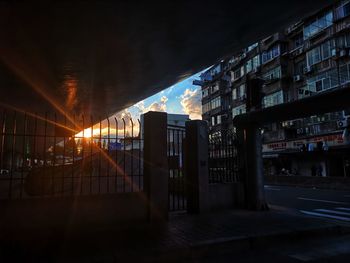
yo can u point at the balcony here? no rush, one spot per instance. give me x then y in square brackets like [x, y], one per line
[272, 136]
[271, 40]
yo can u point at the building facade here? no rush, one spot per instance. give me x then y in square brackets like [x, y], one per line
[308, 57]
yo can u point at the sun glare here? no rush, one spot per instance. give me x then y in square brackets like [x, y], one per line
[88, 133]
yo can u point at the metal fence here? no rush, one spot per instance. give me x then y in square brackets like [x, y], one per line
[177, 178]
[222, 157]
[59, 156]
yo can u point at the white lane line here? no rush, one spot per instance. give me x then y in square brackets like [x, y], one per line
[343, 208]
[333, 212]
[322, 201]
[325, 215]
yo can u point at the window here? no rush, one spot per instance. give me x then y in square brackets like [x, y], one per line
[218, 119]
[318, 25]
[326, 80]
[242, 71]
[329, 79]
[318, 85]
[252, 64]
[304, 92]
[344, 73]
[205, 108]
[342, 11]
[299, 68]
[238, 110]
[249, 66]
[326, 49]
[205, 92]
[215, 70]
[215, 88]
[256, 61]
[251, 47]
[215, 103]
[238, 73]
[298, 41]
[239, 92]
[320, 53]
[273, 99]
[271, 54]
[273, 74]
[215, 120]
[234, 94]
[314, 56]
[343, 41]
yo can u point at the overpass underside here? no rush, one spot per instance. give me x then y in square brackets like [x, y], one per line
[100, 57]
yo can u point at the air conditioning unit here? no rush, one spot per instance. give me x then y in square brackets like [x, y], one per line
[307, 70]
[297, 78]
[243, 97]
[300, 131]
[343, 53]
[342, 124]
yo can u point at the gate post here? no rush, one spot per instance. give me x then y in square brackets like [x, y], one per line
[196, 166]
[156, 165]
[255, 193]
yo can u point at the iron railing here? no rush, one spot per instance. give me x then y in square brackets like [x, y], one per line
[52, 156]
[177, 180]
[222, 157]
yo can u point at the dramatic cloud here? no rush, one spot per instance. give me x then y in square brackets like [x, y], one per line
[191, 103]
[164, 99]
[155, 106]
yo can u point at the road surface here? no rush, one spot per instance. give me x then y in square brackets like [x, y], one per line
[326, 204]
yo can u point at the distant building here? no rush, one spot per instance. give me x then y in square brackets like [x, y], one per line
[173, 119]
[307, 58]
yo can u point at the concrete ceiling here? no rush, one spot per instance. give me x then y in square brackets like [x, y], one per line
[100, 57]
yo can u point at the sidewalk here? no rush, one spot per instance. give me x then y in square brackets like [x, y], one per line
[184, 236]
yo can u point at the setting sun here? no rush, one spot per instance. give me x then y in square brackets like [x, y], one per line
[88, 133]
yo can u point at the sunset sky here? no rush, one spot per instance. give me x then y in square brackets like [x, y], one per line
[181, 98]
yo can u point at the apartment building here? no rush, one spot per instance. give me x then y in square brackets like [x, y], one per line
[308, 57]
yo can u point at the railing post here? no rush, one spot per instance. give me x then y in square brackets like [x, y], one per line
[156, 165]
[196, 166]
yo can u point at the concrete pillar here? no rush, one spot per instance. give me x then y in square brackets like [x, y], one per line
[196, 166]
[156, 165]
[255, 193]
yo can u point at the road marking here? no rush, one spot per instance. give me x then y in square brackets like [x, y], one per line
[272, 188]
[343, 208]
[322, 201]
[325, 215]
[333, 212]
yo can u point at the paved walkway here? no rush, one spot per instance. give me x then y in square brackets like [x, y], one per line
[182, 237]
